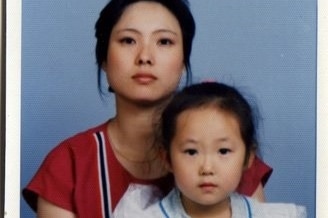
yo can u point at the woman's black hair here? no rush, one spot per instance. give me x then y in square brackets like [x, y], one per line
[112, 12]
[210, 94]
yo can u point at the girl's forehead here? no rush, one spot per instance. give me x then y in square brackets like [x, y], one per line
[207, 108]
[203, 113]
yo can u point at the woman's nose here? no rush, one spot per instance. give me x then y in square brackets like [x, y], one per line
[145, 56]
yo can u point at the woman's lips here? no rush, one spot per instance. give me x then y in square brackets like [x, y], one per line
[144, 78]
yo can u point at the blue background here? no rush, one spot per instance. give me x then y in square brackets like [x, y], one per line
[266, 48]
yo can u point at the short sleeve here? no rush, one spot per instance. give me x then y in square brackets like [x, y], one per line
[258, 173]
[54, 180]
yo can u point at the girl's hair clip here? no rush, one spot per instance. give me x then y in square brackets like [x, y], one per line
[208, 81]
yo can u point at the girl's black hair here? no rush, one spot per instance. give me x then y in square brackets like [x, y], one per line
[210, 94]
[112, 12]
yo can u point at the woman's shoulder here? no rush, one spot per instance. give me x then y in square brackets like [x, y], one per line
[273, 210]
[87, 134]
[83, 138]
[56, 178]
[76, 145]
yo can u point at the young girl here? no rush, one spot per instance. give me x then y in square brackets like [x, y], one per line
[143, 47]
[209, 135]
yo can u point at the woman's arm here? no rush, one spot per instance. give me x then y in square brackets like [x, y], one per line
[49, 210]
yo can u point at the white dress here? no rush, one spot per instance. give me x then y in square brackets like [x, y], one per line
[145, 201]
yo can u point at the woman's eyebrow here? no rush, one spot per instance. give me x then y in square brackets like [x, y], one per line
[127, 30]
[166, 31]
[163, 30]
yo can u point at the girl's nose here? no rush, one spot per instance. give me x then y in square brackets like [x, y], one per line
[206, 168]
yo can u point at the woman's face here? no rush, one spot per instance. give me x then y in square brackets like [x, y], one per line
[145, 54]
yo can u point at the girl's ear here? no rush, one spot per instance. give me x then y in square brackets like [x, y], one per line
[250, 160]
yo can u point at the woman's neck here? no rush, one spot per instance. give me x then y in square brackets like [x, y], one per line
[134, 122]
[135, 125]
[131, 134]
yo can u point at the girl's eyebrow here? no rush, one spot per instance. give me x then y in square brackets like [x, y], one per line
[189, 141]
[219, 139]
[223, 139]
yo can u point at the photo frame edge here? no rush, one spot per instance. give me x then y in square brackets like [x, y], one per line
[2, 103]
[321, 193]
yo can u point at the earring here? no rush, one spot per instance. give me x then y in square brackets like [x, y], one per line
[110, 89]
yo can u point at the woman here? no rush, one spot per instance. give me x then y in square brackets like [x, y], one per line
[144, 49]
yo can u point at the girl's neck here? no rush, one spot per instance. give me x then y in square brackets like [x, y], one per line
[219, 210]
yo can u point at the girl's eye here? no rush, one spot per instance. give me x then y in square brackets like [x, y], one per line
[224, 151]
[127, 40]
[190, 151]
[165, 42]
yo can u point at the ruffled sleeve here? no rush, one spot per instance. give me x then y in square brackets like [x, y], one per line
[54, 180]
[258, 173]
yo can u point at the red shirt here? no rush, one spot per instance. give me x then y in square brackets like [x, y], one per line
[75, 176]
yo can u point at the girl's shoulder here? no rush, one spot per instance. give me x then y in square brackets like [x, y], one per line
[257, 209]
[139, 201]
[148, 202]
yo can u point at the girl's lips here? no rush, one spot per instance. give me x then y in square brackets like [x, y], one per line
[144, 78]
[207, 187]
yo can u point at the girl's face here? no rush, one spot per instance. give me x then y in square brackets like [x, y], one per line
[145, 53]
[207, 157]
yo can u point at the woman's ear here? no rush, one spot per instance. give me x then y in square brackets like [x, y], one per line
[104, 66]
[166, 160]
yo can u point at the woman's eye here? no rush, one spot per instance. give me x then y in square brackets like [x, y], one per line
[224, 151]
[190, 151]
[165, 42]
[127, 40]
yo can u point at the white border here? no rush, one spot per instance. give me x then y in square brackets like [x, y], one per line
[13, 84]
[322, 111]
